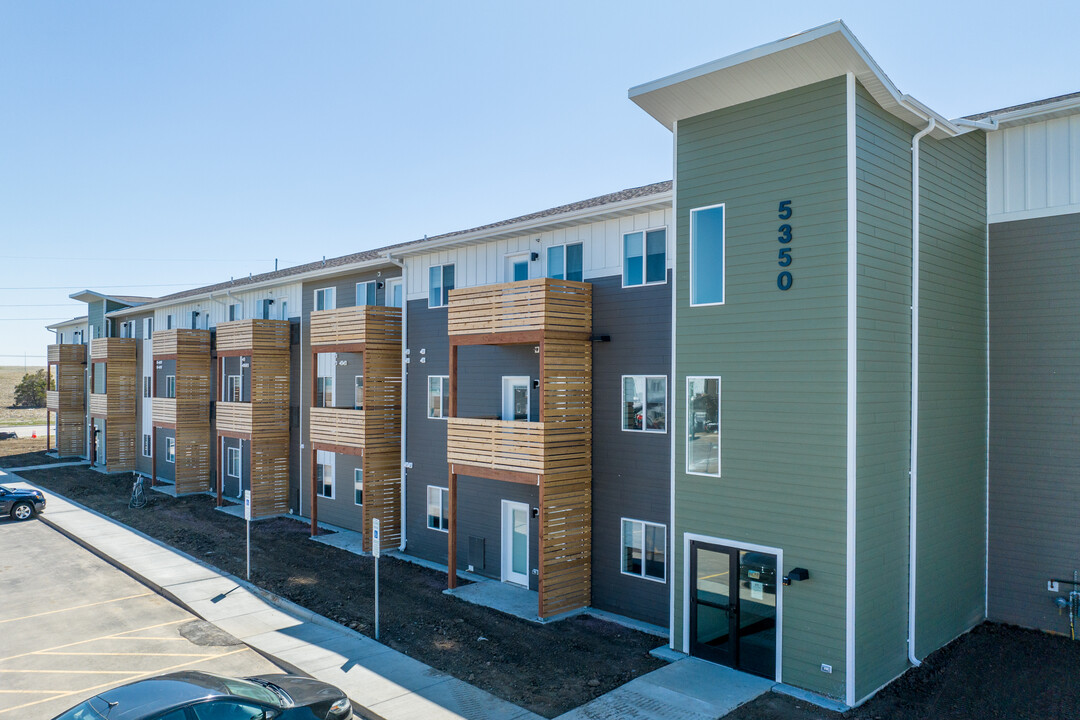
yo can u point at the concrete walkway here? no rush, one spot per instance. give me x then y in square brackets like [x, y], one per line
[388, 684]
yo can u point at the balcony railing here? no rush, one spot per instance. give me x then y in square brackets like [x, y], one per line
[253, 335]
[52, 400]
[112, 349]
[164, 410]
[544, 305]
[234, 417]
[99, 405]
[67, 353]
[529, 447]
[354, 325]
[338, 426]
[180, 341]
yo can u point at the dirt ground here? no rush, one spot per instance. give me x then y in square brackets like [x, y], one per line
[10, 376]
[545, 668]
[24, 452]
[995, 672]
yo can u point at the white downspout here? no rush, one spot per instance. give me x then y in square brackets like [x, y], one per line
[404, 383]
[913, 474]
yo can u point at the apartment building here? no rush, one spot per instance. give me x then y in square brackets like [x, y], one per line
[806, 407]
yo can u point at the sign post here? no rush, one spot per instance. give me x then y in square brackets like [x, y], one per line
[375, 551]
[247, 521]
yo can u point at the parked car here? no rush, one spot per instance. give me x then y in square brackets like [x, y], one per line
[195, 695]
[757, 567]
[21, 503]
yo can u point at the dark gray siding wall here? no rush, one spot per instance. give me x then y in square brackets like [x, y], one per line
[235, 365]
[1034, 434]
[345, 296]
[480, 516]
[952, 390]
[426, 443]
[631, 470]
[480, 372]
[165, 470]
[233, 488]
[883, 202]
[162, 370]
[342, 510]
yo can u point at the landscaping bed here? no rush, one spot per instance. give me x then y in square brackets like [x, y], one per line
[548, 669]
[26, 452]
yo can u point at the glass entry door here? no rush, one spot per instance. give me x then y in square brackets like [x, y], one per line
[733, 607]
[515, 543]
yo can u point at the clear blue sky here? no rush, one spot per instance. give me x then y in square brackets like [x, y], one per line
[166, 145]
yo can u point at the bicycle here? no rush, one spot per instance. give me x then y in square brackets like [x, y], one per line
[138, 494]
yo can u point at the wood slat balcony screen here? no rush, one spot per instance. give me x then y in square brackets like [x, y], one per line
[338, 426]
[67, 354]
[117, 404]
[234, 417]
[164, 410]
[545, 305]
[382, 496]
[371, 325]
[99, 405]
[192, 457]
[565, 541]
[70, 437]
[112, 349]
[270, 473]
[253, 336]
[528, 447]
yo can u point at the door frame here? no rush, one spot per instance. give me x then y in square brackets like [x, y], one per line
[508, 381]
[512, 259]
[505, 546]
[737, 545]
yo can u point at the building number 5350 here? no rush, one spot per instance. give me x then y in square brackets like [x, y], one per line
[784, 279]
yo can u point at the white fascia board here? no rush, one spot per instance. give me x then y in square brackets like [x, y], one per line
[1049, 111]
[585, 215]
[66, 323]
[95, 295]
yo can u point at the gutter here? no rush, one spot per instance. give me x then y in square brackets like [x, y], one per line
[913, 474]
[404, 383]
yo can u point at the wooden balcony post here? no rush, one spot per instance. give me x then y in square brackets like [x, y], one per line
[314, 495]
[153, 454]
[451, 552]
[48, 428]
[543, 381]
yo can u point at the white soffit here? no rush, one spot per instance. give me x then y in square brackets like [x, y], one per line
[825, 52]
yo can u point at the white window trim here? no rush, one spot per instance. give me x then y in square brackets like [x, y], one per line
[361, 379]
[510, 259]
[442, 289]
[147, 445]
[333, 484]
[173, 378]
[357, 471]
[170, 449]
[644, 404]
[284, 309]
[332, 295]
[427, 504]
[170, 321]
[719, 426]
[622, 549]
[388, 290]
[229, 386]
[564, 245]
[644, 256]
[691, 258]
[427, 410]
[364, 284]
[229, 455]
[235, 311]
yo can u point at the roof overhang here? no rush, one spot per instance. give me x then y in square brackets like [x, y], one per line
[1036, 113]
[89, 296]
[81, 320]
[823, 53]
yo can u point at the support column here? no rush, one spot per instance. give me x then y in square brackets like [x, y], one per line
[48, 430]
[153, 454]
[451, 552]
[543, 382]
[219, 473]
[314, 496]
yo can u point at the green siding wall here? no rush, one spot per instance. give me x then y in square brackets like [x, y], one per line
[781, 356]
[883, 410]
[952, 390]
[95, 318]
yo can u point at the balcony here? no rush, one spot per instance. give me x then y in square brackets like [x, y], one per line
[99, 405]
[181, 342]
[542, 307]
[354, 326]
[534, 448]
[164, 411]
[62, 354]
[234, 417]
[338, 426]
[111, 349]
[252, 337]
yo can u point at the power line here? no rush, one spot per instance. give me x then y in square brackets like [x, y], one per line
[106, 287]
[34, 319]
[53, 258]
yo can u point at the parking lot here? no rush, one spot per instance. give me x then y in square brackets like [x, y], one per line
[72, 625]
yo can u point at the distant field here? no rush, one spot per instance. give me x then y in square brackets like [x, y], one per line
[9, 377]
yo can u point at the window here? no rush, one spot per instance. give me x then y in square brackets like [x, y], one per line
[284, 310]
[644, 403]
[358, 393]
[358, 486]
[324, 299]
[60, 339]
[236, 311]
[147, 387]
[194, 319]
[265, 308]
[438, 508]
[564, 262]
[170, 450]
[707, 256]
[227, 710]
[517, 267]
[100, 376]
[146, 448]
[233, 388]
[77, 337]
[169, 322]
[108, 327]
[393, 292]
[127, 329]
[644, 257]
[440, 282]
[324, 474]
[703, 426]
[170, 386]
[234, 462]
[366, 293]
[644, 548]
[438, 396]
[148, 328]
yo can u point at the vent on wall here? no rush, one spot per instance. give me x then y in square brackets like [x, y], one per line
[476, 552]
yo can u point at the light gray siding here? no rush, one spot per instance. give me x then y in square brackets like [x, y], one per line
[1034, 433]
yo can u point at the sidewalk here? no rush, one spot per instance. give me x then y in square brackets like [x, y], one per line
[388, 685]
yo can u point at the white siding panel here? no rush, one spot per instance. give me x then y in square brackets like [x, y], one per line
[1033, 170]
[218, 308]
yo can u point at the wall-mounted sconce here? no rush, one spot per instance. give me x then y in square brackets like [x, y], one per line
[423, 360]
[536, 512]
[600, 338]
[423, 351]
[380, 285]
[536, 383]
[536, 349]
[534, 256]
[796, 575]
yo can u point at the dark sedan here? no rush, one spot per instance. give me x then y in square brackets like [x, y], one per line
[21, 503]
[205, 696]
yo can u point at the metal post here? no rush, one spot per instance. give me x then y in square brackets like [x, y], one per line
[247, 519]
[376, 550]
